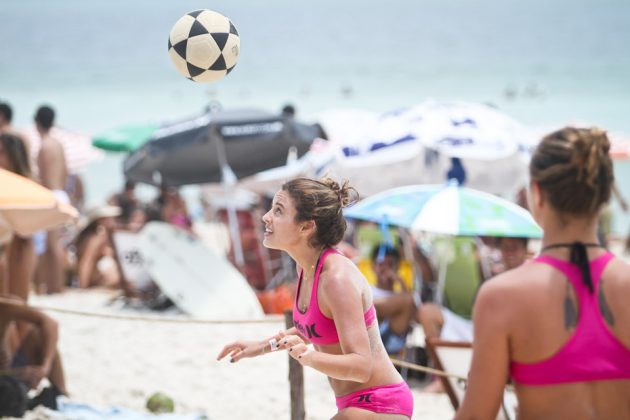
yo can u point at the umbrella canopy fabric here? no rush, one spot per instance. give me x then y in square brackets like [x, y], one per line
[76, 146]
[26, 207]
[466, 130]
[125, 139]
[376, 153]
[450, 209]
[195, 151]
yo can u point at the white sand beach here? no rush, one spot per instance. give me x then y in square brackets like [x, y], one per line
[114, 362]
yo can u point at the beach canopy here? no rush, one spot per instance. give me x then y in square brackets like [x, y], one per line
[447, 209]
[240, 142]
[126, 138]
[26, 207]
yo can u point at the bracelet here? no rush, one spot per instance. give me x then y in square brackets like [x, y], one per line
[273, 343]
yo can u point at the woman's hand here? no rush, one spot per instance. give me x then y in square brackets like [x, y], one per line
[297, 349]
[242, 349]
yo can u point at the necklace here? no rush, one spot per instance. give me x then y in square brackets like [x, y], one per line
[304, 306]
[578, 257]
[570, 245]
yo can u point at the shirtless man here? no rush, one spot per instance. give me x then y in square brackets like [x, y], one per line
[36, 357]
[53, 174]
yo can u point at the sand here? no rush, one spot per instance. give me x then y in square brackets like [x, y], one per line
[111, 362]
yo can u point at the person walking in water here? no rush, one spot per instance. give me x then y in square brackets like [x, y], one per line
[333, 310]
[559, 326]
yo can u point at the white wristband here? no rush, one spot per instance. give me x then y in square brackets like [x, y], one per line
[274, 344]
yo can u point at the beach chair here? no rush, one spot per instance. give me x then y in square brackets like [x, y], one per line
[455, 358]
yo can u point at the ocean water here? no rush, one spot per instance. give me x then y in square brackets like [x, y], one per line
[104, 63]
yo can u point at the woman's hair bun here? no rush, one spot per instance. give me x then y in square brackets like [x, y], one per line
[347, 195]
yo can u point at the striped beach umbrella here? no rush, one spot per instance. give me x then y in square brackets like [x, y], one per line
[77, 147]
[26, 207]
[447, 209]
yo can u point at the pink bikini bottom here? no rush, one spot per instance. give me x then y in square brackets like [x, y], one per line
[387, 399]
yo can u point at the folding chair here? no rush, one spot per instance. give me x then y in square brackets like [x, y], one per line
[455, 358]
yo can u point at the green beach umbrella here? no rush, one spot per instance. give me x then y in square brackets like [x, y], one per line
[447, 209]
[125, 139]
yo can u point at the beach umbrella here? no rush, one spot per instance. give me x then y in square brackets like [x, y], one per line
[198, 151]
[620, 146]
[26, 207]
[126, 138]
[447, 209]
[77, 147]
[219, 147]
[467, 130]
[379, 152]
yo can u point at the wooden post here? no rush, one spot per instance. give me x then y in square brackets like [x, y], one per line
[296, 379]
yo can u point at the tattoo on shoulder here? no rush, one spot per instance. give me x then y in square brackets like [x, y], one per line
[604, 307]
[570, 310]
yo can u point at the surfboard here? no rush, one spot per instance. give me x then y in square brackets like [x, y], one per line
[198, 281]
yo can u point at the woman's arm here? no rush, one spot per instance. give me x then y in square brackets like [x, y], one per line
[340, 293]
[243, 349]
[490, 362]
[92, 252]
[48, 330]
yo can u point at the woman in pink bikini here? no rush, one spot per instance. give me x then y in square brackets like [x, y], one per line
[559, 326]
[333, 308]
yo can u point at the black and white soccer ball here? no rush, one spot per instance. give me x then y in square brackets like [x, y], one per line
[204, 45]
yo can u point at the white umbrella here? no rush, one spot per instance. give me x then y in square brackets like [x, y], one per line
[378, 153]
[467, 130]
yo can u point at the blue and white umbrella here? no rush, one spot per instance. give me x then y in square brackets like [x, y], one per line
[467, 130]
[449, 209]
[378, 152]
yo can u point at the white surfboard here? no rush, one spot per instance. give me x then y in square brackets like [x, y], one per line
[198, 281]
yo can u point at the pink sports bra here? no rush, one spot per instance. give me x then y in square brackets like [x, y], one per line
[592, 353]
[313, 324]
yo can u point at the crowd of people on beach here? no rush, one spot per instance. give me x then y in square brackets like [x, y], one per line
[362, 288]
[74, 255]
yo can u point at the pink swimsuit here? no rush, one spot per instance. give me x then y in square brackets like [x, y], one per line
[313, 324]
[321, 330]
[592, 353]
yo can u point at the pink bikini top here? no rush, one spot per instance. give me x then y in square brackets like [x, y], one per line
[313, 324]
[592, 353]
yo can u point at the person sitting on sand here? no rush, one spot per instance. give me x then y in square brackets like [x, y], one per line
[95, 253]
[36, 356]
[395, 309]
[333, 309]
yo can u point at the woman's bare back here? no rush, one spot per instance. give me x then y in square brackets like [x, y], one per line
[544, 313]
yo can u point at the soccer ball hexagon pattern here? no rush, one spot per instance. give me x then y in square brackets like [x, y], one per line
[204, 45]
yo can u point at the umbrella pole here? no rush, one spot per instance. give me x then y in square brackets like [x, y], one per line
[228, 179]
[235, 232]
[439, 297]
